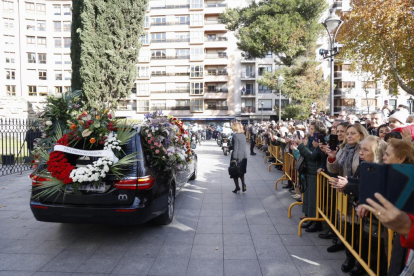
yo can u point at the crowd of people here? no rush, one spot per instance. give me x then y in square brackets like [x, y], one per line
[379, 137]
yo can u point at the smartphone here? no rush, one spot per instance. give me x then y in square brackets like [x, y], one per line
[395, 182]
[321, 139]
[298, 134]
[315, 137]
[333, 142]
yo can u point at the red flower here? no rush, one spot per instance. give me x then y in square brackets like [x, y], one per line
[109, 116]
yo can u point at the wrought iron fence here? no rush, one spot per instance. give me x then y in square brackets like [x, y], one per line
[16, 144]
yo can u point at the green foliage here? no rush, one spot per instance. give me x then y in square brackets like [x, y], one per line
[304, 85]
[125, 132]
[288, 28]
[105, 47]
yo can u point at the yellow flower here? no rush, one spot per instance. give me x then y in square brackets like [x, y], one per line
[98, 117]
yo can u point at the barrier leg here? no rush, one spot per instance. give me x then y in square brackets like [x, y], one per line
[290, 208]
[284, 177]
[274, 164]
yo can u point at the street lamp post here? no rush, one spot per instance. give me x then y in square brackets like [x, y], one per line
[280, 81]
[332, 25]
[411, 100]
[262, 110]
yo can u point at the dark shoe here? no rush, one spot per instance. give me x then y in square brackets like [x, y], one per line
[307, 224]
[316, 227]
[338, 246]
[287, 186]
[252, 153]
[299, 200]
[244, 188]
[236, 190]
[327, 235]
[348, 265]
[357, 270]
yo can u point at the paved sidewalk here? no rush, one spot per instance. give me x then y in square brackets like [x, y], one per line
[215, 232]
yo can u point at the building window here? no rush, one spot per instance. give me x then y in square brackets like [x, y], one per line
[196, 71]
[67, 74]
[41, 26]
[67, 42]
[143, 71]
[41, 8]
[347, 84]
[182, 20]
[41, 58]
[158, 21]
[196, 37]
[142, 105]
[57, 58]
[182, 102]
[58, 42]
[31, 41]
[31, 90]
[267, 105]
[196, 4]
[68, 89]
[197, 53]
[197, 105]
[9, 57]
[41, 42]
[58, 75]
[30, 8]
[57, 26]
[67, 10]
[369, 85]
[264, 68]
[42, 75]
[10, 74]
[9, 40]
[66, 59]
[145, 39]
[158, 54]
[196, 19]
[66, 26]
[58, 89]
[196, 88]
[30, 25]
[57, 10]
[42, 90]
[158, 37]
[143, 89]
[9, 24]
[269, 54]
[11, 90]
[31, 57]
[8, 7]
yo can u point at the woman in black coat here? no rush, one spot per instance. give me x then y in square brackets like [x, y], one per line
[239, 155]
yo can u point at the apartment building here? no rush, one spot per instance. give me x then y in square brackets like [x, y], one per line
[35, 51]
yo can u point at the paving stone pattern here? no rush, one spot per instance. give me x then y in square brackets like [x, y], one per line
[215, 232]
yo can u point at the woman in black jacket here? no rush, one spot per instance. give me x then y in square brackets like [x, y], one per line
[239, 155]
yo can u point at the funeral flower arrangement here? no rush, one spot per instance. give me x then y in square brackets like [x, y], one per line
[71, 134]
[166, 141]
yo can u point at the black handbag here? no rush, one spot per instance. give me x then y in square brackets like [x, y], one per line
[300, 165]
[234, 169]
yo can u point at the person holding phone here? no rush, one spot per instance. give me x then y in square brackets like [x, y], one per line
[345, 163]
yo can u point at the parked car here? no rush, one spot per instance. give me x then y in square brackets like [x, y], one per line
[142, 195]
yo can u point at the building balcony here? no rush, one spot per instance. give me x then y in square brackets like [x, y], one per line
[171, 40]
[265, 91]
[212, 22]
[178, 107]
[248, 93]
[265, 109]
[216, 90]
[216, 39]
[215, 56]
[170, 23]
[248, 109]
[216, 73]
[247, 60]
[337, 75]
[170, 57]
[217, 108]
[178, 90]
[247, 76]
[158, 107]
[187, 6]
[158, 74]
[215, 5]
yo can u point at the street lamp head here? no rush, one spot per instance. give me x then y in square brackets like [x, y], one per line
[261, 103]
[280, 81]
[332, 22]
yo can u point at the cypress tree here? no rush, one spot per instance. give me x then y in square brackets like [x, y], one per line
[105, 47]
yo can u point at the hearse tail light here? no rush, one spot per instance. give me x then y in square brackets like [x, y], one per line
[37, 180]
[140, 183]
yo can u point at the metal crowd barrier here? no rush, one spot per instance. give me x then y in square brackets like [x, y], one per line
[366, 239]
[274, 153]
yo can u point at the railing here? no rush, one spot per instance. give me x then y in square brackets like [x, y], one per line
[265, 91]
[248, 92]
[169, 23]
[212, 22]
[214, 39]
[178, 90]
[17, 138]
[158, 107]
[265, 109]
[215, 56]
[215, 5]
[337, 74]
[215, 73]
[178, 108]
[245, 75]
[158, 74]
[171, 7]
[217, 90]
[248, 109]
[217, 108]
[170, 40]
[171, 57]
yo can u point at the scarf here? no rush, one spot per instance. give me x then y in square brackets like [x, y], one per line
[346, 159]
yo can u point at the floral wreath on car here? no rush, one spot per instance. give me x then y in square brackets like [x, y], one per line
[166, 142]
[87, 133]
